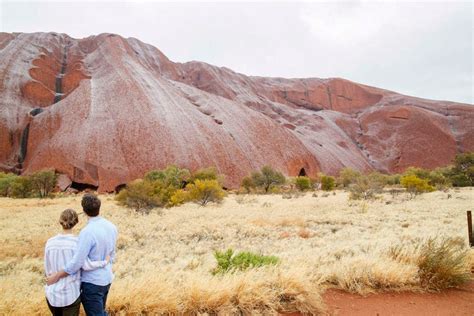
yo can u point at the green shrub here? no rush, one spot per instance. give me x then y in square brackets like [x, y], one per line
[437, 178]
[327, 183]
[247, 184]
[43, 182]
[172, 176]
[139, 195]
[462, 173]
[442, 263]
[227, 261]
[6, 181]
[392, 179]
[206, 174]
[347, 176]
[366, 187]
[268, 178]
[205, 191]
[22, 187]
[303, 183]
[415, 185]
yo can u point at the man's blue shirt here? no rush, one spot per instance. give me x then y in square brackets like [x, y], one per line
[96, 241]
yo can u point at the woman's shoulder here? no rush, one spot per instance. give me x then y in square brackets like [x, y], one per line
[61, 239]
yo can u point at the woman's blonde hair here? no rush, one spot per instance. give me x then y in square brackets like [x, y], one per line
[68, 218]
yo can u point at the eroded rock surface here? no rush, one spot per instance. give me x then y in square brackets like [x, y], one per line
[104, 110]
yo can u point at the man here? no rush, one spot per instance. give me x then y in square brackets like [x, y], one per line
[96, 241]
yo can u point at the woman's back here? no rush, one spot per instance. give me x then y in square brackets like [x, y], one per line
[59, 251]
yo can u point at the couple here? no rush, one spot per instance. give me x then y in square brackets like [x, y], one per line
[80, 269]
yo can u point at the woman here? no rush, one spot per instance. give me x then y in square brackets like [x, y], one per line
[63, 297]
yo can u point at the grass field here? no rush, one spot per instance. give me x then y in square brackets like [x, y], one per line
[164, 259]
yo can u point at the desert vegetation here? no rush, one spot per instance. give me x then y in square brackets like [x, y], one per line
[285, 252]
[273, 246]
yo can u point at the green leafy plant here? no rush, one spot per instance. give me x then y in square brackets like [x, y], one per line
[228, 261]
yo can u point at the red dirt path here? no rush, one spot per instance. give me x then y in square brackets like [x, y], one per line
[456, 302]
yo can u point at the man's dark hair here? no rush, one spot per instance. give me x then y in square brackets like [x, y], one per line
[90, 204]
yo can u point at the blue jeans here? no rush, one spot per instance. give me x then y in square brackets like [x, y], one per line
[94, 298]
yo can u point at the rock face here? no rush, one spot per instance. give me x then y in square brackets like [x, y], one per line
[104, 110]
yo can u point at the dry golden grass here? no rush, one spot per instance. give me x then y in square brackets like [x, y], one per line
[164, 258]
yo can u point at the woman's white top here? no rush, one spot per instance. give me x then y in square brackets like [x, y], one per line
[58, 252]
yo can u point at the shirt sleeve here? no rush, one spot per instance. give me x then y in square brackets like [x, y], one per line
[84, 245]
[92, 265]
[46, 263]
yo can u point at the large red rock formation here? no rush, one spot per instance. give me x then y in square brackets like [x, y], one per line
[104, 110]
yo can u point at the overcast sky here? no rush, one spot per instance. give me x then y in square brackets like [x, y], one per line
[421, 49]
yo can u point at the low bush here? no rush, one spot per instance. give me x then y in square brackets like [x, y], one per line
[21, 187]
[366, 187]
[415, 185]
[347, 176]
[247, 184]
[442, 263]
[303, 183]
[205, 191]
[206, 174]
[327, 183]
[6, 181]
[228, 261]
[179, 197]
[139, 195]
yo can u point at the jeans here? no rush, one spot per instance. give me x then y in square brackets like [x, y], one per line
[70, 310]
[94, 298]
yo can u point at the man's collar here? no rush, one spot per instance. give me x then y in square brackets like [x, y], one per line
[95, 218]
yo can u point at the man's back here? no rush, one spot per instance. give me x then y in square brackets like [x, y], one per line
[97, 240]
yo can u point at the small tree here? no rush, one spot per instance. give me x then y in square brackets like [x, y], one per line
[43, 182]
[415, 185]
[205, 191]
[139, 195]
[327, 183]
[303, 183]
[462, 174]
[347, 176]
[22, 187]
[267, 178]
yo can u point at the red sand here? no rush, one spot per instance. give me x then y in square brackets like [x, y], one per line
[455, 302]
[450, 302]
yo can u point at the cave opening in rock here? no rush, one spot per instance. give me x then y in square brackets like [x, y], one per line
[83, 186]
[120, 187]
[302, 173]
